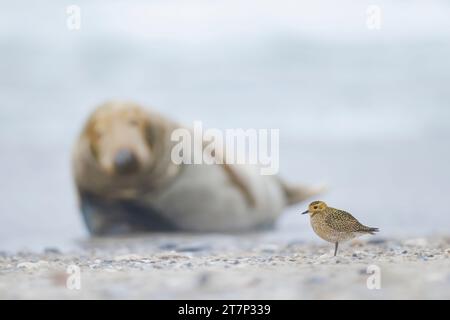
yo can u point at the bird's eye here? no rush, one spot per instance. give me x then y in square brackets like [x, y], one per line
[315, 207]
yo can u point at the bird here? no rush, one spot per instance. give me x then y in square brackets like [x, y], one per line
[334, 225]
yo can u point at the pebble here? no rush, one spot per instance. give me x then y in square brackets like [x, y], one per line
[52, 250]
[32, 265]
[315, 280]
[193, 248]
[128, 257]
[167, 246]
[295, 243]
[203, 278]
[419, 242]
[268, 248]
[376, 241]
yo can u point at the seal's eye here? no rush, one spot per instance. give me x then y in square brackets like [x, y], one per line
[95, 132]
[133, 122]
[315, 207]
[98, 134]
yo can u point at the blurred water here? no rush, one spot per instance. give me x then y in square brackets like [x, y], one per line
[365, 112]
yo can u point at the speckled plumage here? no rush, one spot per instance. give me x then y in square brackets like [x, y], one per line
[334, 225]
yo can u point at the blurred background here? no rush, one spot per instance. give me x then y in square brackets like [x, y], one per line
[363, 111]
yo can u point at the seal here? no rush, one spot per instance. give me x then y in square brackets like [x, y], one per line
[127, 182]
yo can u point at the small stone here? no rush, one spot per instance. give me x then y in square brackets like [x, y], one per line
[419, 242]
[193, 248]
[376, 241]
[32, 265]
[52, 250]
[128, 257]
[167, 246]
[269, 248]
[315, 280]
[295, 243]
[203, 278]
[356, 243]
[254, 281]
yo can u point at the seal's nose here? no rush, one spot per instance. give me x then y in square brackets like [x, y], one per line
[125, 162]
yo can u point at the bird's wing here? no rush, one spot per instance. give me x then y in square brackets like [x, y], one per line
[343, 221]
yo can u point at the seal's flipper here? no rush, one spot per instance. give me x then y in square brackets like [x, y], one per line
[105, 217]
[234, 176]
[297, 193]
[240, 184]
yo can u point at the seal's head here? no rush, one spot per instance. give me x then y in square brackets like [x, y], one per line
[120, 139]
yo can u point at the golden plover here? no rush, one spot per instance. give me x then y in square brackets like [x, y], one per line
[334, 225]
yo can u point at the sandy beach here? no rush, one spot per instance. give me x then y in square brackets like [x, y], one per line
[231, 267]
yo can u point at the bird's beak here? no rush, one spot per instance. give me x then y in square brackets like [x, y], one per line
[305, 212]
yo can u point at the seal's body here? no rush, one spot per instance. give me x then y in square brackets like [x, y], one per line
[127, 181]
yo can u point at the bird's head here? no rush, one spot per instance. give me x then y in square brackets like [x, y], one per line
[315, 207]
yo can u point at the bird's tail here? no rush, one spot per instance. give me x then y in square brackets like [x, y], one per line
[370, 230]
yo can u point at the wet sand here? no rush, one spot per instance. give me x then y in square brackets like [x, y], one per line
[231, 267]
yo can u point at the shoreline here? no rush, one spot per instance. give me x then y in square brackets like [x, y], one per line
[240, 267]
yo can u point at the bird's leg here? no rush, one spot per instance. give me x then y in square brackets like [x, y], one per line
[336, 248]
